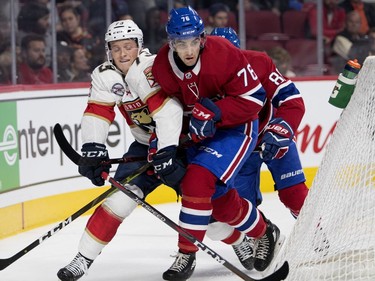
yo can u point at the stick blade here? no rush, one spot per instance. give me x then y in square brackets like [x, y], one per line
[279, 274]
[4, 263]
[65, 145]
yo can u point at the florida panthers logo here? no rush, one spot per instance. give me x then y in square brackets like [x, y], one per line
[142, 119]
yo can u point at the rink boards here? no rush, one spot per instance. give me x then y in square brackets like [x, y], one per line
[39, 185]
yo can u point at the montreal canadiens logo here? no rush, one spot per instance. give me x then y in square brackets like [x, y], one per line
[118, 89]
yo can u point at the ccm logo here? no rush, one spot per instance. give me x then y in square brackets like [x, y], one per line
[94, 154]
[163, 165]
[201, 115]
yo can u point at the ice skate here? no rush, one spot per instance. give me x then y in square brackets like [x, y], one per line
[245, 252]
[182, 268]
[75, 269]
[265, 248]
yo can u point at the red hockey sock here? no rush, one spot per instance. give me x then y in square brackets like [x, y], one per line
[293, 197]
[103, 225]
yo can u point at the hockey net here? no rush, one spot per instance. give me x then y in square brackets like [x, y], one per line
[334, 235]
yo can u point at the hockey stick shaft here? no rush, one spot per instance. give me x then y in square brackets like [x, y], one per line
[85, 161]
[6, 262]
[279, 274]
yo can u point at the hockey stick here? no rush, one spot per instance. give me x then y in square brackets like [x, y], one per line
[85, 161]
[4, 263]
[8, 261]
[279, 274]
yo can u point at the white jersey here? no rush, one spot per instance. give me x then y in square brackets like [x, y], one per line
[131, 94]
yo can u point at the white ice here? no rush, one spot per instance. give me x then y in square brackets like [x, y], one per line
[140, 251]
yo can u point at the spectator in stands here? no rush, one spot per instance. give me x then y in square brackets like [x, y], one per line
[80, 67]
[33, 68]
[333, 20]
[76, 36]
[154, 34]
[218, 17]
[365, 10]
[34, 18]
[281, 58]
[276, 6]
[137, 9]
[350, 43]
[5, 19]
[64, 55]
[5, 63]
[97, 15]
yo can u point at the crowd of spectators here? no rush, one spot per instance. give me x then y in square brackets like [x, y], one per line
[348, 32]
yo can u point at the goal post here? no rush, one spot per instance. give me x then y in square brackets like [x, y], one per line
[334, 235]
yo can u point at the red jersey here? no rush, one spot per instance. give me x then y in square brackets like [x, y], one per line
[221, 73]
[28, 75]
[283, 98]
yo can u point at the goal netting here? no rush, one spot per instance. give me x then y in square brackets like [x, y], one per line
[334, 235]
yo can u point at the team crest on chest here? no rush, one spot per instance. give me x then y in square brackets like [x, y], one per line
[194, 89]
[140, 115]
[150, 77]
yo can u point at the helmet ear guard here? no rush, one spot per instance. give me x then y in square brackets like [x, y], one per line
[120, 30]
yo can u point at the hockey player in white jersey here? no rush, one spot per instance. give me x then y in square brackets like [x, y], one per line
[124, 81]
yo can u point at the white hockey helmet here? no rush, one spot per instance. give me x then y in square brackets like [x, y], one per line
[123, 29]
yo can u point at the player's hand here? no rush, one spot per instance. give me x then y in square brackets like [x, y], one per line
[169, 169]
[276, 139]
[204, 116]
[96, 151]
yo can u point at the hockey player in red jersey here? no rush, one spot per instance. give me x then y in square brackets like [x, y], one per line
[222, 97]
[284, 107]
[125, 81]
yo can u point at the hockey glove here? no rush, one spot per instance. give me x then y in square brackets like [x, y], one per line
[96, 151]
[276, 139]
[202, 123]
[169, 169]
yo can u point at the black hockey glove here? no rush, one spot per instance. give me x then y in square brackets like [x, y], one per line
[169, 169]
[276, 139]
[96, 151]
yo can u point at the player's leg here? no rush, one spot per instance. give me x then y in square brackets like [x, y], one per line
[247, 185]
[253, 224]
[104, 222]
[213, 159]
[289, 180]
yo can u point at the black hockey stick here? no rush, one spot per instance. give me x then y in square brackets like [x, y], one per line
[85, 161]
[4, 263]
[280, 274]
